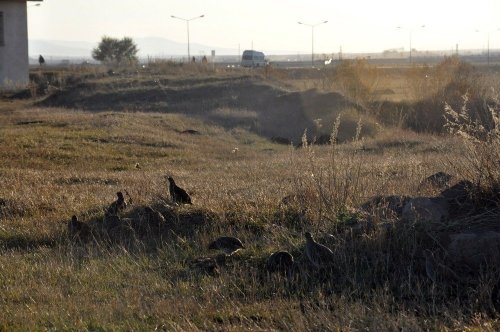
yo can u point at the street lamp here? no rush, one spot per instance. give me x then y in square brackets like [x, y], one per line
[411, 31]
[312, 38]
[187, 23]
[488, 34]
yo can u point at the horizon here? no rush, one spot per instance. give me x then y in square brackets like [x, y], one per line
[356, 27]
[199, 50]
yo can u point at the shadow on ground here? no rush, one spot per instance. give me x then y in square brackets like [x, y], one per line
[244, 101]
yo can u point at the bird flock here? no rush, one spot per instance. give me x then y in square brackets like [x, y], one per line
[150, 220]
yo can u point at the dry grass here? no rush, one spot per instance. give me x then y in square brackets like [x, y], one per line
[59, 162]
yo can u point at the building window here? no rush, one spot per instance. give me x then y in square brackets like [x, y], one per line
[2, 39]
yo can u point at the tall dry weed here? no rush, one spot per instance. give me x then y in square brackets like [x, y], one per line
[331, 176]
[481, 140]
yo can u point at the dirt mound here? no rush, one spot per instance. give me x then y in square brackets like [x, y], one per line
[244, 101]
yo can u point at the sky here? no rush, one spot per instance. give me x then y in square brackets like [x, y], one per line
[271, 25]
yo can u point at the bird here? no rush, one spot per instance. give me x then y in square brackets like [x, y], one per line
[228, 244]
[78, 229]
[117, 206]
[280, 261]
[319, 255]
[178, 194]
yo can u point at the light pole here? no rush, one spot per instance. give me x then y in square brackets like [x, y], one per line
[488, 44]
[411, 31]
[187, 24]
[312, 38]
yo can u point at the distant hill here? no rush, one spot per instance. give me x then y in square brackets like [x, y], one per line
[149, 46]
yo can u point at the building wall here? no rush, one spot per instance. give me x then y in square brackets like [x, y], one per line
[14, 65]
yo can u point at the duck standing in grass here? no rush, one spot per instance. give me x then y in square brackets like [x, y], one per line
[319, 255]
[177, 194]
[228, 244]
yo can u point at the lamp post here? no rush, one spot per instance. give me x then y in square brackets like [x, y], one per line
[488, 45]
[411, 32]
[312, 38]
[187, 24]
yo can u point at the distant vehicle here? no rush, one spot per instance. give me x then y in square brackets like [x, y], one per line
[253, 58]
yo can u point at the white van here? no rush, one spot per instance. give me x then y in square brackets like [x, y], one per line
[253, 58]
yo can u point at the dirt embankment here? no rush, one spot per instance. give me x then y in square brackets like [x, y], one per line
[230, 102]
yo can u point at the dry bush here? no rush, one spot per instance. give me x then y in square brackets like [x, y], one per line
[174, 68]
[481, 139]
[445, 83]
[356, 79]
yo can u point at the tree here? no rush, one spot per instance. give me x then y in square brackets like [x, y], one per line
[115, 51]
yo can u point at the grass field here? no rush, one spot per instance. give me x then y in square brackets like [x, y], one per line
[67, 148]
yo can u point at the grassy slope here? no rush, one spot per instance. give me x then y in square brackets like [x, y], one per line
[72, 162]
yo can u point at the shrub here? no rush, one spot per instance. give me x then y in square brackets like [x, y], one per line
[356, 79]
[445, 84]
[481, 138]
[115, 51]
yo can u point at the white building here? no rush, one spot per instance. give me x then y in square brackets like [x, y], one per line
[14, 65]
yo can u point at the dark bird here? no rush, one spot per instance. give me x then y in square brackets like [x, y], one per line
[319, 255]
[117, 206]
[280, 261]
[78, 229]
[178, 194]
[229, 245]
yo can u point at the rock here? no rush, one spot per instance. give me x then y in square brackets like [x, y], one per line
[280, 261]
[150, 221]
[123, 235]
[190, 132]
[386, 207]
[281, 140]
[323, 140]
[438, 180]
[475, 248]
[459, 198]
[425, 209]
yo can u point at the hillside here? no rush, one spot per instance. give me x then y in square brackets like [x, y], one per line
[67, 149]
[235, 101]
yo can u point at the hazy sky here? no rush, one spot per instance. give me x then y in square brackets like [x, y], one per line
[356, 25]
